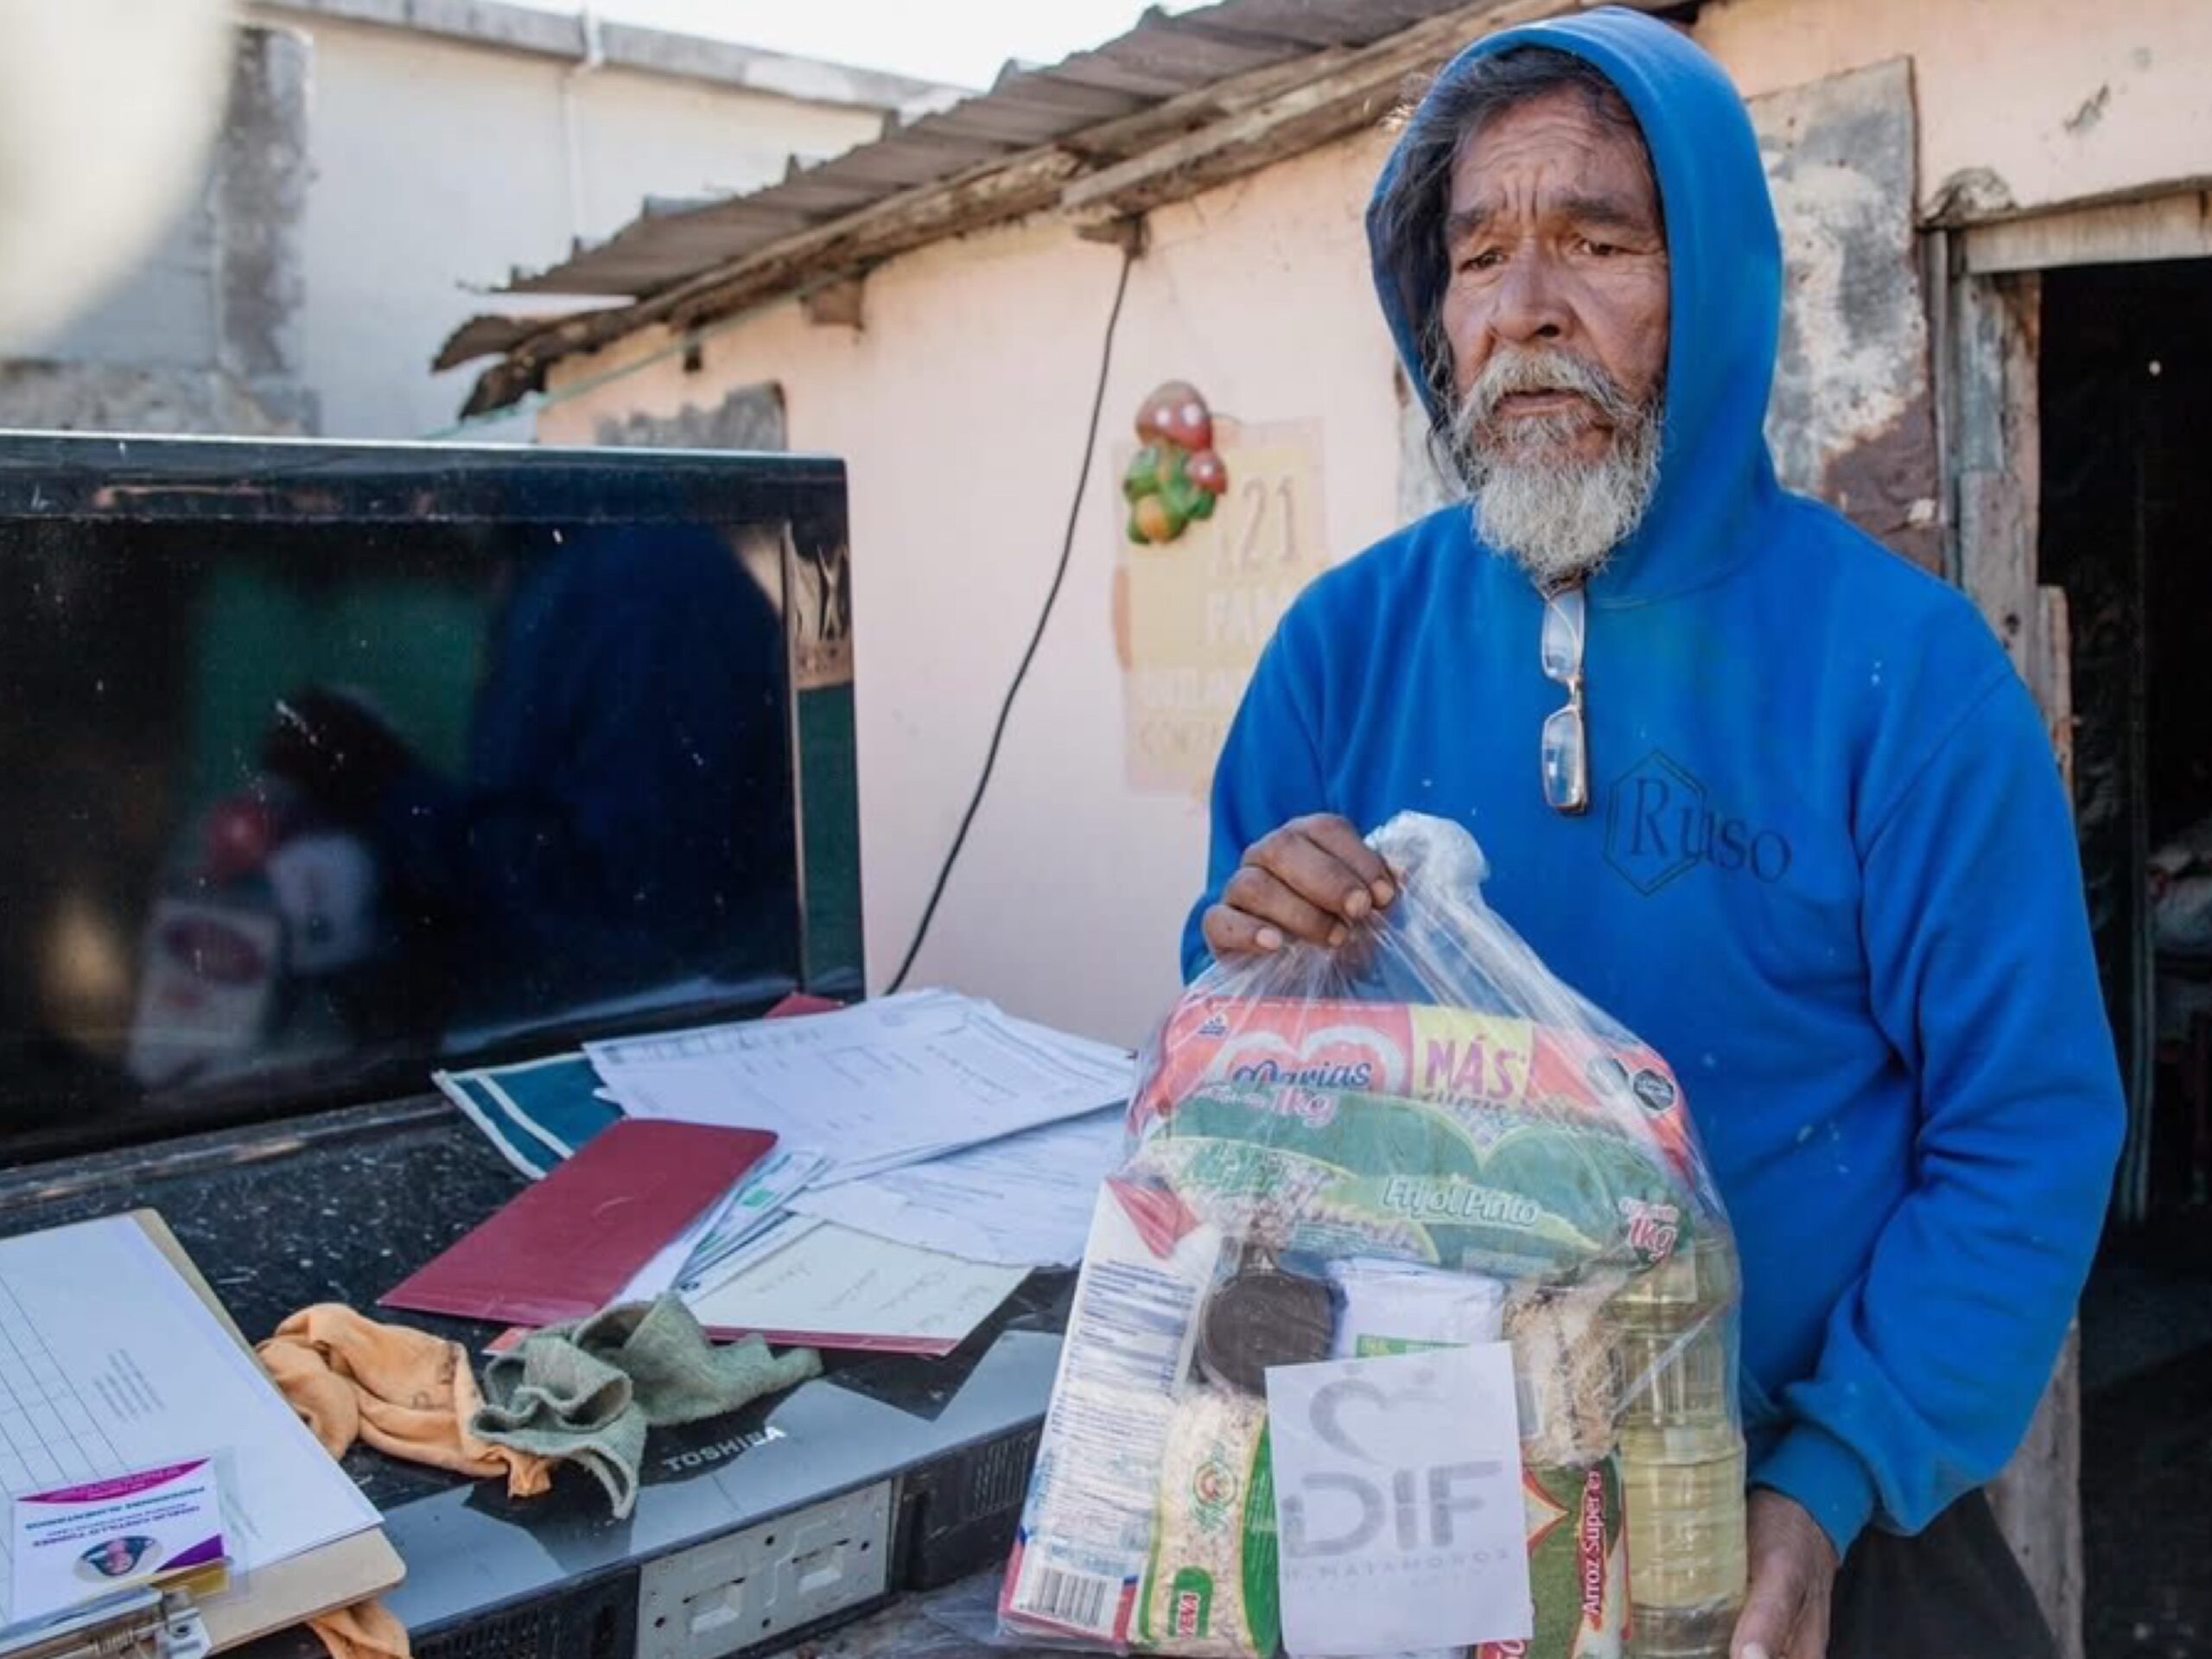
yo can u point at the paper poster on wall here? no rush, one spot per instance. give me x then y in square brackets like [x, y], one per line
[1192, 615]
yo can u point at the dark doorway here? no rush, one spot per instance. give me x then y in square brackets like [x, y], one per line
[2125, 384]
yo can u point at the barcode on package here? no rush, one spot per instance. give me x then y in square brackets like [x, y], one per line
[1078, 1601]
[1133, 1328]
[1088, 1525]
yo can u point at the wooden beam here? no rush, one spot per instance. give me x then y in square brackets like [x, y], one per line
[1997, 450]
[2037, 1501]
[2128, 232]
[2054, 686]
[1300, 120]
[834, 305]
[1189, 111]
[1360, 90]
[1999, 447]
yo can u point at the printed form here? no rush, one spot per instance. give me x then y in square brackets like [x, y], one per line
[1025, 1201]
[110, 1362]
[881, 1086]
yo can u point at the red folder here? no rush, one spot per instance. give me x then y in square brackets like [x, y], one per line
[569, 1245]
[799, 1004]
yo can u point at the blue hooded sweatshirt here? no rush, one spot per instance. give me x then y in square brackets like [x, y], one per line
[1828, 868]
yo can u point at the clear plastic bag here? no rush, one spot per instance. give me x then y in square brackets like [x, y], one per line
[1420, 1140]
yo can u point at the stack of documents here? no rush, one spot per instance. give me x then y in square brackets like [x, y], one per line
[880, 1086]
[1025, 1201]
[931, 1149]
[113, 1366]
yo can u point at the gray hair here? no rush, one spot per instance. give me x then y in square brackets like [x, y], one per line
[1409, 217]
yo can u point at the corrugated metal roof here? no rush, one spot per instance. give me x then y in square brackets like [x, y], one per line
[1175, 105]
[1163, 57]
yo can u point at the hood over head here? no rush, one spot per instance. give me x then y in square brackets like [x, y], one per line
[1725, 272]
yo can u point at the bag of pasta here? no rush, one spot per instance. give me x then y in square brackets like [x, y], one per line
[1420, 1141]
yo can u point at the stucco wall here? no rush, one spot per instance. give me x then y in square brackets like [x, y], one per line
[440, 165]
[960, 410]
[2022, 103]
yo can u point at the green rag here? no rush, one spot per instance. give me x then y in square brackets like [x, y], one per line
[586, 1393]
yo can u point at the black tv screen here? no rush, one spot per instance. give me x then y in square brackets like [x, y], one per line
[327, 766]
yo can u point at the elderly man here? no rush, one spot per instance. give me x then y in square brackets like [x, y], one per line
[1751, 782]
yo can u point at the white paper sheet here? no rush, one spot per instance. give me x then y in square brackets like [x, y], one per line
[880, 1086]
[1350, 1441]
[109, 1363]
[1025, 1201]
[834, 1282]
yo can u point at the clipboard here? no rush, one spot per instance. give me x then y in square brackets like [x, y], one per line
[306, 1586]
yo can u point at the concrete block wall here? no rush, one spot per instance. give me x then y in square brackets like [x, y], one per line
[205, 336]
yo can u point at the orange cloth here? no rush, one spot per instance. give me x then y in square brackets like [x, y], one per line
[365, 1630]
[407, 1394]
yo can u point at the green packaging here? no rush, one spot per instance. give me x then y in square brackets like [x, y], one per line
[1578, 1565]
[1210, 1588]
[1512, 1193]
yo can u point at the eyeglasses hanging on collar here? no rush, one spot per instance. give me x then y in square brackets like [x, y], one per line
[1566, 734]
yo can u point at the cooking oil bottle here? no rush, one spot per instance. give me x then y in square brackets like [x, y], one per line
[1681, 1448]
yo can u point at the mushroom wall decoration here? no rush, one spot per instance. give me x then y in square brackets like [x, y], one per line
[1175, 479]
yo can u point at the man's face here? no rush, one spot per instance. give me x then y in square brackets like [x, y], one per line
[1555, 317]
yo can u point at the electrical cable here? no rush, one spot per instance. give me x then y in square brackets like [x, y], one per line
[1037, 636]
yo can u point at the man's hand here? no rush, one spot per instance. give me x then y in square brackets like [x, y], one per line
[1314, 878]
[1793, 1569]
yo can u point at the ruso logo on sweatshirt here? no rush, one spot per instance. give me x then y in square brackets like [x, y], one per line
[1660, 824]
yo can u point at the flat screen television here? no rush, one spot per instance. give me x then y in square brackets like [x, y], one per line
[328, 765]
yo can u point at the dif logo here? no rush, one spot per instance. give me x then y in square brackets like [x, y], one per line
[1380, 1493]
[1660, 824]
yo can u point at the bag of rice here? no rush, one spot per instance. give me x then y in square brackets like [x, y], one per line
[1422, 1141]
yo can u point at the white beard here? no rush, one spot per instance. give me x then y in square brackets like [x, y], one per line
[1557, 515]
